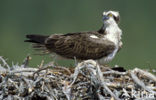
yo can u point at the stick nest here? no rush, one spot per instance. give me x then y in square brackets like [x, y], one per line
[86, 81]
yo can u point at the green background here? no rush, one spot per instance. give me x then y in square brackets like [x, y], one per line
[21, 17]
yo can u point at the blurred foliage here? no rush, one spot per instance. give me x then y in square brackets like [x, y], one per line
[21, 17]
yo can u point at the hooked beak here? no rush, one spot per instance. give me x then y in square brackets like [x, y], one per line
[105, 17]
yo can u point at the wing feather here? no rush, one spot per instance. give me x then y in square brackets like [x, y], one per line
[80, 45]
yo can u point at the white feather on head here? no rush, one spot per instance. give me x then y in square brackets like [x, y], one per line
[115, 13]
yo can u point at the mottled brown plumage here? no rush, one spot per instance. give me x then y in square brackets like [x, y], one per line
[79, 45]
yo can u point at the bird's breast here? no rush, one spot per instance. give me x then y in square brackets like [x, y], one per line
[113, 34]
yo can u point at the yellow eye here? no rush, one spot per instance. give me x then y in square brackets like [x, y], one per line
[110, 15]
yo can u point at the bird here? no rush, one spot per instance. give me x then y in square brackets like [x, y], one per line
[101, 45]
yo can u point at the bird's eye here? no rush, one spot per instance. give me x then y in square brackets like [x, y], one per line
[110, 15]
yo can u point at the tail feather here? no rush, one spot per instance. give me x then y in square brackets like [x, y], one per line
[38, 42]
[40, 39]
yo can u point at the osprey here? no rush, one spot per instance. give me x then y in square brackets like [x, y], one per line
[101, 45]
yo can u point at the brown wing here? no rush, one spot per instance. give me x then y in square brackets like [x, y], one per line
[80, 45]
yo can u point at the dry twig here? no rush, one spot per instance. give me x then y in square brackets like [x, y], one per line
[89, 81]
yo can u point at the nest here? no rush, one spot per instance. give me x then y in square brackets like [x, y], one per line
[86, 81]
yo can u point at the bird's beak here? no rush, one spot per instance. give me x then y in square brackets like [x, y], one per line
[105, 17]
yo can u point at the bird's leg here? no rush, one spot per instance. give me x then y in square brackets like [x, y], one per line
[75, 61]
[54, 58]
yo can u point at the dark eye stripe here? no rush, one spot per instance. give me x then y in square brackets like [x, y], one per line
[116, 18]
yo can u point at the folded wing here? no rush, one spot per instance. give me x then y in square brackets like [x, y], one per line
[80, 45]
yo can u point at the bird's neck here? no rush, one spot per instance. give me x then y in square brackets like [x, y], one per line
[102, 30]
[113, 33]
[105, 26]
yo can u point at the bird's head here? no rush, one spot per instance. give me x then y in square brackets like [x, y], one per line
[111, 17]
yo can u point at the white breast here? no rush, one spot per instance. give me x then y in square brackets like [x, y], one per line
[113, 33]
